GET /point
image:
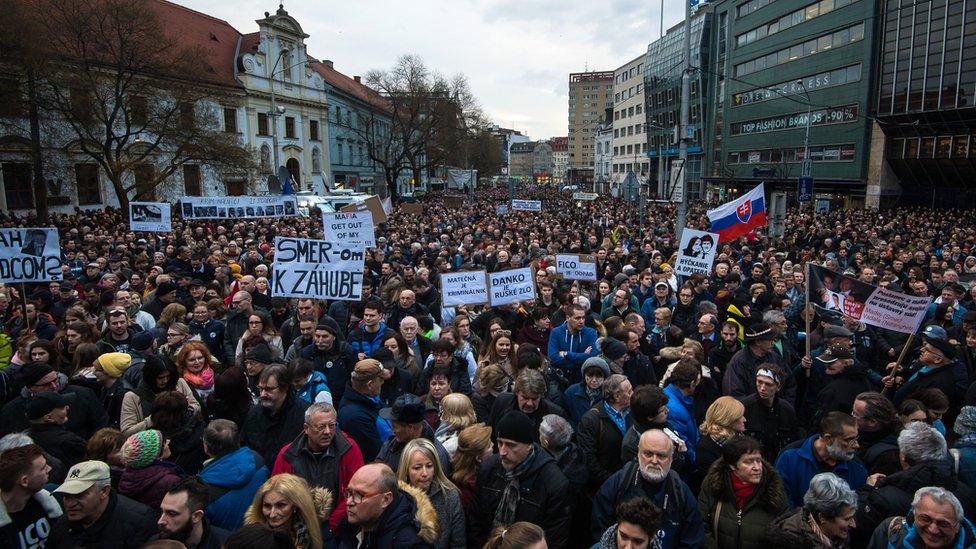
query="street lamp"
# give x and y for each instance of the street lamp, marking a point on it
(807, 166)
(275, 109)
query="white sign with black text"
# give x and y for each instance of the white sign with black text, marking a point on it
(349, 228)
(317, 269)
(696, 253)
(526, 205)
(464, 288)
(573, 267)
(511, 286)
(150, 217)
(30, 255)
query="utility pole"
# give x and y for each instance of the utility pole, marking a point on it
(683, 127)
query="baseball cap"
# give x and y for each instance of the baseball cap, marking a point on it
(83, 476)
(407, 408)
(42, 404)
(367, 369)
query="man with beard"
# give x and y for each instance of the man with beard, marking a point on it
(181, 516)
(650, 476)
(522, 482)
(278, 419)
(833, 450)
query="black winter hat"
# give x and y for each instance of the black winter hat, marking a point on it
(613, 349)
(34, 372)
(328, 324)
(517, 426)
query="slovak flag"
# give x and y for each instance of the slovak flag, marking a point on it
(734, 219)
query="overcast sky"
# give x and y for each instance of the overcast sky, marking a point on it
(517, 54)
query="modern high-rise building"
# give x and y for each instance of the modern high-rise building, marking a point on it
(590, 94)
(924, 146)
(629, 139)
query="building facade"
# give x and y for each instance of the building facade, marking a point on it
(662, 103)
(560, 158)
(602, 157)
(629, 122)
(506, 138)
(590, 93)
(542, 164)
(924, 145)
(779, 68)
(521, 157)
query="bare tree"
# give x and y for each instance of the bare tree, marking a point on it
(133, 99)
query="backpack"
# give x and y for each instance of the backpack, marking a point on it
(630, 476)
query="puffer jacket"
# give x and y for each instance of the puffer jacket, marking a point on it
(149, 484)
(745, 528)
(410, 522)
(232, 480)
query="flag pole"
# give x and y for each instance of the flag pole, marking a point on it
(897, 366)
(807, 309)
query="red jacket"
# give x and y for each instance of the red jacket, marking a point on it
(295, 459)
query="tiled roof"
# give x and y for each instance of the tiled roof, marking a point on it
(216, 37)
(348, 85)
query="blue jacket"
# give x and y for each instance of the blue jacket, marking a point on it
(212, 334)
(681, 520)
(575, 347)
(232, 481)
(797, 466)
(967, 460)
(364, 342)
(315, 385)
(576, 402)
(681, 418)
(357, 418)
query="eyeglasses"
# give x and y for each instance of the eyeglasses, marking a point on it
(173, 334)
(254, 323)
(267, 389)
(356, 498)
(925, 520)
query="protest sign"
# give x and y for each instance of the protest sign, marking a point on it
(237, 207)
(526, 205)
(453, 201)
(501, 209)
(576, 267)
(696, 254)
(865, 302)
(464, 288)
(152, 217)
(372, 204)
(317, 269)
(349, 228)
(511, 286)
(585, 196)
(29, 255)
(412, 208)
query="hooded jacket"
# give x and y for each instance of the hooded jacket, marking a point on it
(9, 534)
(364, 342)
(410, 522)
(892, 496)
(745, 528)
(232, 479)
(574, 345)
(331, 469)
(357, 416)
(149, 484)
(544, 499)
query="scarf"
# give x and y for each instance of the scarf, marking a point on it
(742, 490)
(505, 513)
(204, 380)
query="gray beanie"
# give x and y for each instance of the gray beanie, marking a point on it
(595, 362)
(966, 421)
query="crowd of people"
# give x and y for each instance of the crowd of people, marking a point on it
(161, 395)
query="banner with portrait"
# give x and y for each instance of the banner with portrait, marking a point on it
(846, 295)
(150, 217)
(30, 255)
(238, 207)
(696, 254)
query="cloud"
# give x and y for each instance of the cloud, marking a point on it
(517, 54)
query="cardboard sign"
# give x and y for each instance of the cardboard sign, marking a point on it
(526, 205)
(237, 207)
(412, 208)
(696, 254)
(576, 267)
(30, 255)
(372, 204)
(349, 228)
(151, 217)
(511, 286)
(464, 288)
(453, 201)
(317, 269)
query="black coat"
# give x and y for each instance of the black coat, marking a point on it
(506, 402)
(125, 523)
(85, 417)
(267, 433)
(544, 499)
(774, 427)
(398, 527)
(68, 447)
(600, 441)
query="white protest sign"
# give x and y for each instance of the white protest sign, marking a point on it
(464, 288)
(895, 311)
(150, 217)
(585, 196)
(576, 267)
(237, 207)
(317, 269)
(696, 253)
(526, 205)
(29, 255)
(511, 286)
(349, 228)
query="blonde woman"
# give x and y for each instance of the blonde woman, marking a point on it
(286, 502)
(457, 412)
(421, 469)
(474, 445)
(724, 419)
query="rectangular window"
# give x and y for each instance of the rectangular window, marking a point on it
(138, 111)
(187, 116)
(290, 127)
(191, 180)
(145, 176)
(81, 104)
(230, 120)
(313, 130)
(263, 124)
(17, 185)
(11, 100)
(86, 183)
(810, 47)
